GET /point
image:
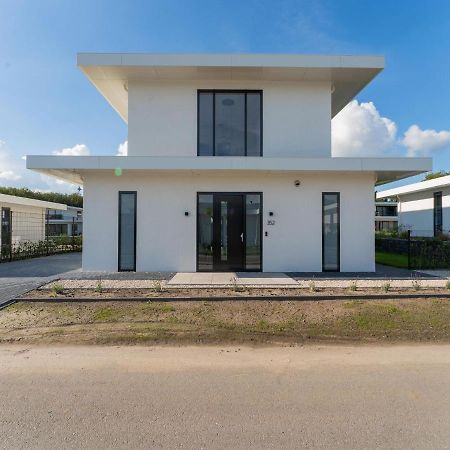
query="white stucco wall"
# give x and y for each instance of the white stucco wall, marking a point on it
(415, 211)
(162, 117)
(166, 238)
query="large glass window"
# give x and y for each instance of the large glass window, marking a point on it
(229, 123)
(205, 232)
(127, 231)
(437, 213)
(330, 231)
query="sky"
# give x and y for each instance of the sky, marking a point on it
(47, 106)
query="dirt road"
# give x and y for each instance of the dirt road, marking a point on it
(225, 397)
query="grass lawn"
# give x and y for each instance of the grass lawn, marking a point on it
(219, 322)
(391, 259)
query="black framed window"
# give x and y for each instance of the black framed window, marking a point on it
(437, 213)
(331, 231)
(229, 123)
(127, 231)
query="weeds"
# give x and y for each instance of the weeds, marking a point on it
(417, 285)
(353, 286)
(312, 286)
(105, 314)
(99, 287)
(386, 287)
(158, 286)
(238, 287)
(57, 289)
(447, 284)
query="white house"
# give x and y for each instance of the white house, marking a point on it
(229, 165)
(24, 219)
(424, 207)
(65, 223)
(386, 215)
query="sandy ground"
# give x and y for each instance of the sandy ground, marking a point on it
(209, 322)
(234, 397)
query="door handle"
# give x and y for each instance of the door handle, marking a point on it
(242, 237)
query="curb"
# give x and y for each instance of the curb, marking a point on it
(231, 297)
(8, 302)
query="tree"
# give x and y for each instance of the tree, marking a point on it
(67, 199)
(433, 175)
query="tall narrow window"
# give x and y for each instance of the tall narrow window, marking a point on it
(229, 123)
(127, 231)
(437, 213)
(205, 232)
(330, 232)
(253, 207)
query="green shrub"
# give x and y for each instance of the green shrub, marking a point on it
(57, 288)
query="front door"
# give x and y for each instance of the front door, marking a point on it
(228, 232)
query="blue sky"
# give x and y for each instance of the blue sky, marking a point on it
(46, 104)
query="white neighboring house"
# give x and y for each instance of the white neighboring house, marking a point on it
(386, 215)
(65, 223)
(24, 219)
(229, 165)
(424, 207)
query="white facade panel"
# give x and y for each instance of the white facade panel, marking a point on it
(163, 117)
(415, 211)
(166, 238)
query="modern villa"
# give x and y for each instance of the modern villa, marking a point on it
(229, 165)
(423, 207)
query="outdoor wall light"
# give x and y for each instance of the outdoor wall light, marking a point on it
(297, 183)
(186, 213)
(270, 213)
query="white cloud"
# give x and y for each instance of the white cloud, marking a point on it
(76, 150)
(9, 166)
(122, 149)
(9, 175)
(360, 130)
(424, 142)
(13, 172)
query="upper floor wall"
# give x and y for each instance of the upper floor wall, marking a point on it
(163, 116)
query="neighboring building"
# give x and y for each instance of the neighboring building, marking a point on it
(229, 165)
(424, 207)
(386, 217)
(65, 223)
(24, 219)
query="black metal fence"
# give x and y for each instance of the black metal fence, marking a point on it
(420, 247)
(26, 235)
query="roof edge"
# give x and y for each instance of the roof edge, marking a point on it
(416, 187)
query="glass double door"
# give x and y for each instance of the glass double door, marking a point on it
(229, 232)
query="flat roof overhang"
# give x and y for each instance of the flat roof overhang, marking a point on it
(72, 168)
(111, 72)
(422, 186)
(25, 201)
